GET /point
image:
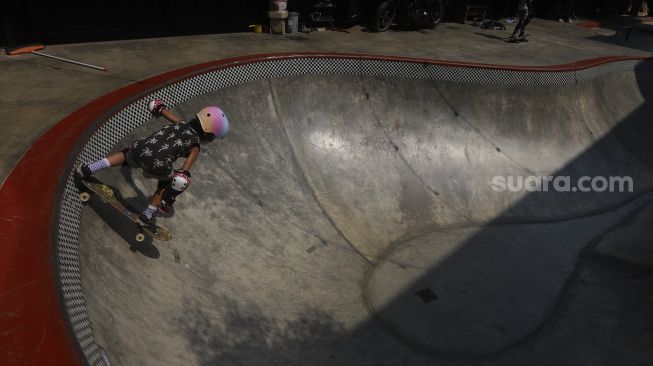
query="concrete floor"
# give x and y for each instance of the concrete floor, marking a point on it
(36, 92)
(302, 293)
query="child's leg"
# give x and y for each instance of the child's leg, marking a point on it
(151, 211)
(519, 28)
(117, 158)
(158, 196)
(110, 161)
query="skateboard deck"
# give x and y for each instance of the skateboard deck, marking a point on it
(518, 39)
(108, 195)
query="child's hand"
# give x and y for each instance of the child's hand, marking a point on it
(156, 106)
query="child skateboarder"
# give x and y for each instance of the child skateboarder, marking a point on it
(524, 12)
(156, 153)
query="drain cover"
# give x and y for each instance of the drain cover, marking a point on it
(427, 295)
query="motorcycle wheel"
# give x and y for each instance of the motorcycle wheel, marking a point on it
(421, 14)
(437, 13)
(383, 17)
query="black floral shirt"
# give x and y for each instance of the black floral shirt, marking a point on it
(157, 152)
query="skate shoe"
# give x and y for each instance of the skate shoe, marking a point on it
(146, 223)
(83, 171)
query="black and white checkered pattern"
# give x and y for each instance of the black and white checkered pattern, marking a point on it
(614, 67)
(132, 115)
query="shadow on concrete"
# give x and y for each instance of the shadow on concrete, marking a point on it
(634, 36)
(124, 226)
(494, 36)
(494, 291)
(141, 200)
(245, 336)
(141, 197)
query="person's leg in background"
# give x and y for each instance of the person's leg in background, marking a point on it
(527, 19)
(520, 28)
(569, 11)
(563, 9)
(572, 10)
(637, 7)
(642, 11)
(633, 7)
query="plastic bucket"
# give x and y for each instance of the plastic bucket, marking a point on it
(256, 28)
(293, 22)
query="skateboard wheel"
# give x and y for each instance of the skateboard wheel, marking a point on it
(140, 237)
(84, 196)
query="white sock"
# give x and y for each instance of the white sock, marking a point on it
(99, 165)
(150, 211)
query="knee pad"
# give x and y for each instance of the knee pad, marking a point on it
(174, 186)
(179, 183)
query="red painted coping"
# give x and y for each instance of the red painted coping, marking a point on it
(33, 329)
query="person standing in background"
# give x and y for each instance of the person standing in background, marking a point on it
(645, 9)
(565, 11)
(524, 12)
(639, 8)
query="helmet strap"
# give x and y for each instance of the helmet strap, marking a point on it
(197, 126)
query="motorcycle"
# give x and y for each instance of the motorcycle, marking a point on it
(408, 14)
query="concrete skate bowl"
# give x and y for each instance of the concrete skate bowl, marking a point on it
(350, 217)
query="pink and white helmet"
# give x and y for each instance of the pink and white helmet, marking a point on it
(213, 120)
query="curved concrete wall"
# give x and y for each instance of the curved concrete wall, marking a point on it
(41, 304)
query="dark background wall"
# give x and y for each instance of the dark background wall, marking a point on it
(548, 9)
(61, 22)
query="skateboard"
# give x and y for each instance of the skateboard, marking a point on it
(518, 39)
(108, 195)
